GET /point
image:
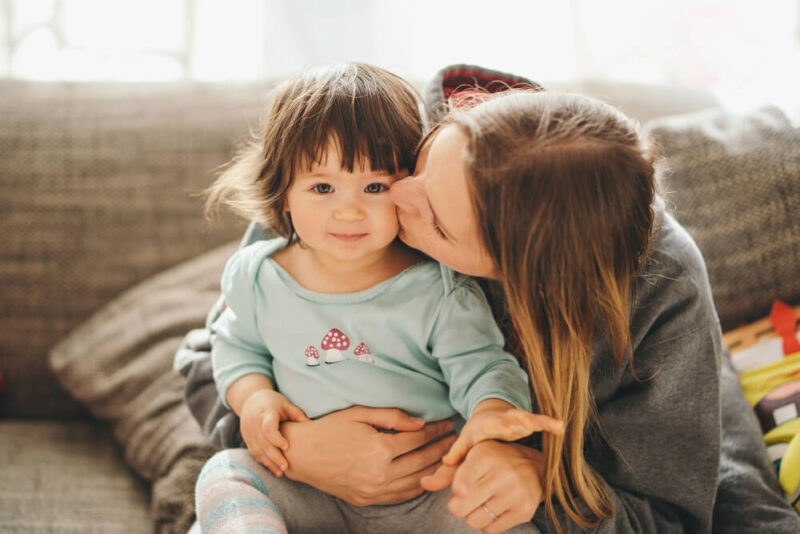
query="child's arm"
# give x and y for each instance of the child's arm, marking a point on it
(497, 419)
(487, 385)
(261, 409)
(242, 364)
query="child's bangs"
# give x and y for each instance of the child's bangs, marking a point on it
(363, 131)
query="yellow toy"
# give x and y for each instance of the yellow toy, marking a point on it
(770, 377)
(789, 475)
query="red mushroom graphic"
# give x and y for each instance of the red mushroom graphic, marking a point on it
(363, 353)
(334, 342)
(312, 356)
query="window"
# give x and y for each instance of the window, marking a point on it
(744, 51)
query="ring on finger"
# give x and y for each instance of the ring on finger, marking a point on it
(488, 512)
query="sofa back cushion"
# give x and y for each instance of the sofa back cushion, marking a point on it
(733, 181)
(96, 194)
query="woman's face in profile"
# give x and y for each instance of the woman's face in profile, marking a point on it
(435, 209)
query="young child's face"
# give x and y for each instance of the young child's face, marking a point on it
(345, 215)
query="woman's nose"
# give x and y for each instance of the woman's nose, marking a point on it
(407, 193)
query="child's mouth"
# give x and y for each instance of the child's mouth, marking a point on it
(348, 237)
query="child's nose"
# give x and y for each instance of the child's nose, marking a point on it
(349, 213)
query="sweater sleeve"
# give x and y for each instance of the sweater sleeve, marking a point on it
(469, 348)
(237, 347)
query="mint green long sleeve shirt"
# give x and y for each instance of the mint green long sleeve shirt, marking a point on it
(423, 341)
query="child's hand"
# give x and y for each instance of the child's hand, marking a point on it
(261, 416)
(497, 419)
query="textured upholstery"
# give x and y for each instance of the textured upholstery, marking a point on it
(96, 184)
(733, 181)
(119, 364)
(67, 478)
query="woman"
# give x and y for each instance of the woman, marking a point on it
(562, 193)
(552, 196)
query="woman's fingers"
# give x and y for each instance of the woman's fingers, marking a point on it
(405, 442)
(472, 486)
(459, 449)
(405, 488)
(442, 478)
(503, 523)
(386, 418)
(486, 514)
(420, 455)
(421, 462)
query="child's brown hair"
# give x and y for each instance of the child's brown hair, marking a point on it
(372, 115)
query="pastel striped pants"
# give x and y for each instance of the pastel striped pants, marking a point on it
(234, 494)
(231, 496)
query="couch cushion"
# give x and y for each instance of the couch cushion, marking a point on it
(118, 363)
(67, 477)
(733, 180)
(97, 182)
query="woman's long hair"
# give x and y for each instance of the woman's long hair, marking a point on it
(563, 189)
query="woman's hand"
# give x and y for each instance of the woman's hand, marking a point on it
(506, 478)
(344, 454)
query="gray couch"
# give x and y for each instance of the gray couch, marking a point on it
(106, 263)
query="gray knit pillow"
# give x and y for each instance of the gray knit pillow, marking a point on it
(733, 181)
(96, 184)
(118, 363)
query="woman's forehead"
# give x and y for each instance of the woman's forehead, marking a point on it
(446, 182)
(444, 159)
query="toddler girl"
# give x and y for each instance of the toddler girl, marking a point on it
(336, 311)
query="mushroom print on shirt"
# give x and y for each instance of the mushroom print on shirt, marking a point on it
(334, 342)
(363, 353)
(312, 356)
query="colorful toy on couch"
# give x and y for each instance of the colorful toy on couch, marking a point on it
(766, 355)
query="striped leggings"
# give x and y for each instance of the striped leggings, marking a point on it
(231, 496)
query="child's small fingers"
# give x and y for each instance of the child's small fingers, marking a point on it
(272, 466)
(274, 436)
(259, 452)
(276, 457)
(296, 414)
(543, 423)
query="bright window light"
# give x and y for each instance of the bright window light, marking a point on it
(745, 52)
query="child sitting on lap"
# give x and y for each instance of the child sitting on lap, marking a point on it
(338, 312)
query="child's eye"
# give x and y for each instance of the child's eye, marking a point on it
(376, 188)
(322, 188)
